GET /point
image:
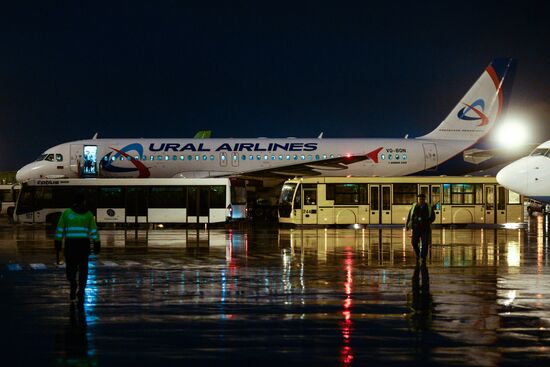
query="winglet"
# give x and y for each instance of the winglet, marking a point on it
(203, 134)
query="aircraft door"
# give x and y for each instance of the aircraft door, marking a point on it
(489, 204)
(89, 162)
(374, 213)
(309, 211)
(223, 159)
(235, 159)
(386, 204)
(76, 159)
(430, 156)
(501, 205)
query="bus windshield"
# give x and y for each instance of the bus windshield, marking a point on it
(287, 193)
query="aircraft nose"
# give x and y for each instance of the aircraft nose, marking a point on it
(514, 176)
(27, 172)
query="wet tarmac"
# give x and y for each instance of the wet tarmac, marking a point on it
(269, 297)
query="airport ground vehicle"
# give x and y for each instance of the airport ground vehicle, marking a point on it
(130, 200)
(8, 194)
(387, 200)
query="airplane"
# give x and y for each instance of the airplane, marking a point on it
(530, 175)
(467, 123)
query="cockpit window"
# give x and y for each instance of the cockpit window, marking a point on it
(49, 158)
(41, 157)
(539, 151)
(59, 157)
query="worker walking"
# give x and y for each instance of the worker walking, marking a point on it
(420, 218)
(77, 225)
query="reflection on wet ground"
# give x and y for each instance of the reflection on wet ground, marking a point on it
(273, 296)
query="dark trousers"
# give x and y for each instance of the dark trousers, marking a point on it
(424, 236)
(77, 252)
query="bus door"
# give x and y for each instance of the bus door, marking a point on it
(235, 159)
(136, 205)
(380, 204)
(309, 211)
(297, 206)
(435, 202)
(198, 209)
(501, 205)
(374, 213)
(489, 204)
(386, 204)
(430, 156)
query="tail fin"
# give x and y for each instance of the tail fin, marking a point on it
(478, 111)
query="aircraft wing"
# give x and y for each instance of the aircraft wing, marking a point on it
(310, 168)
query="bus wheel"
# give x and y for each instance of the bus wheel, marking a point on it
(52, 219)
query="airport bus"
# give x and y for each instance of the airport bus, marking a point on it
(8, 193)
(387, 200)
(127, 200)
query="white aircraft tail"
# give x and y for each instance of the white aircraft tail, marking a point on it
(477, 112)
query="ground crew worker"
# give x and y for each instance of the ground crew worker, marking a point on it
(419, 220)
(78, 226)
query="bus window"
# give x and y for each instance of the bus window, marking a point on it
(346, 194)
(404, 193)
(310, 194)
(168, 197)
(513, 197)
(374, 198)
(446, 193)
(111, 197)
(217, 196)
(501, 198)
(489, 197)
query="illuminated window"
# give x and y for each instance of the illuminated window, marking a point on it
(324, 156)
(159, 158)
(152, 157)
(143, 157)
(287, 157)
(166, 157)
(259, 157)
(251, 157)
(235, 157)
(266, 157)
(175, 157)
(197, 158)
(295, 157)
(113, 158)
(211, 157)
(190, 157)
(243, 157)
(136, 157)
(182, 157)
(317, 157)
(204, 157)
(397, 156)
(280, 157)
(303, 157)
(332, 155)
(404, 156)
(389, 156)
(382, 156)
(272, 157)
(59, 157)
(309, 157)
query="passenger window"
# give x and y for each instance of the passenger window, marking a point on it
(59, 157)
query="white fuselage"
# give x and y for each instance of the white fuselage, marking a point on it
(529, 176)
(228, 157)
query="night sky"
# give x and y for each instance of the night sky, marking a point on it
(250, 69)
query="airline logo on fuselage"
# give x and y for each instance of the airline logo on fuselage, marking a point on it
(474, 112)
(107, 163)
(233, 147)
